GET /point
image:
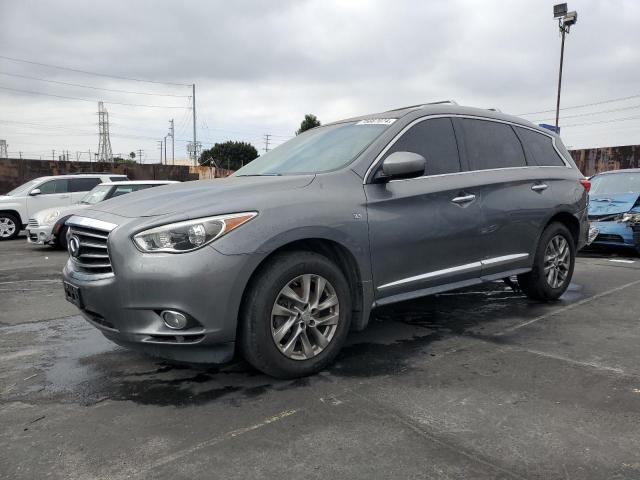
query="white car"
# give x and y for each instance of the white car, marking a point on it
(17, 206)
(47, 227)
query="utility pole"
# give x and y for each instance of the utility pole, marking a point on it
(171, 132)
(140, 155)
(267, 139)
(165, 150)
(20, 153)
(565, 20)
(53, 155)
(195, 142)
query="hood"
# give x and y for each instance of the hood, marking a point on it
(188, 196)
(612, 203)
(64, 211)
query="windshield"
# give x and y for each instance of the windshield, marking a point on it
(615, 183)
(96, 195)
(23, 189)
(319, 150)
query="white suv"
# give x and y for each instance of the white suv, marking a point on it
(17, 206)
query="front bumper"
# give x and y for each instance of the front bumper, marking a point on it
(613, 234)
(42, 235)
(125, 305)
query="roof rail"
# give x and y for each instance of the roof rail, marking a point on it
(495, 110)
(420, 105)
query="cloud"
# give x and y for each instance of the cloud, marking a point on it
(260, 66)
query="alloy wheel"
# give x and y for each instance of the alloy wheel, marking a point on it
(7, 227)
(557, 261)
(305, 316)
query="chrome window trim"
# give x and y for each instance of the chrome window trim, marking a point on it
(458, 268)
(376, 162)
(91, 223)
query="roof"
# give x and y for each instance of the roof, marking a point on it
(141, 182)
(81, 175)
(447, 107)
(622, 170)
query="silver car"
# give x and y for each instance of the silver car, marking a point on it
(280, 261)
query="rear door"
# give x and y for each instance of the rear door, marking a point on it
(424, 232)
(514, 201)
(78, 187)
(53, 193)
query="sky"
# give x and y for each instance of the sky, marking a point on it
(260, 66)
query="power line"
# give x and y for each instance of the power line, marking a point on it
(88, 99)
(587, 114)
(622, 119)
(91, 73)
(602, 102)
(93, 88)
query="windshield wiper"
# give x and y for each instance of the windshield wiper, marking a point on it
(260, 175)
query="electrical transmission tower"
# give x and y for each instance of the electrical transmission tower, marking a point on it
(267, 140)
(104, 142)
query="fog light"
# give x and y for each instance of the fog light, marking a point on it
(172, 319)
(42, 235)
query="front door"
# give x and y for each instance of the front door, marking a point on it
(425, 232)
(53, 193)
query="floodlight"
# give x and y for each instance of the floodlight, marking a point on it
(571, 18)
(559, 10)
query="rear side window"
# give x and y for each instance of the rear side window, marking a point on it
(491, 145)
(59, 185)
(83, 184)
(119, 179)
(539, 148)
(435, 140)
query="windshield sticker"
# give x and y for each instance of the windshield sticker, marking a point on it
(377, 121)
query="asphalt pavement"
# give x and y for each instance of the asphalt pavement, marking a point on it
(481, 383)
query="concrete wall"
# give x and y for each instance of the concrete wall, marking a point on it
(595, 160)
(15, 172)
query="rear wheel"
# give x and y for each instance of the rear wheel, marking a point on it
(296, 315)
(9, 226)
(552, 266)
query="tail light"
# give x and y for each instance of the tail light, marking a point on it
(586, 184)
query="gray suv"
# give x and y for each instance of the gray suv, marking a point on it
(284, 258)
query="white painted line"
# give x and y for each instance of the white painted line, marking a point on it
(568, 307)
(621, 261)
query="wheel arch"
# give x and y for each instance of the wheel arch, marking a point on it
(343, 258)
(568, 220)
(15, 213)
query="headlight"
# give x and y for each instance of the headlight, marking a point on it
(50, 217)
(631, 218)
(189, 235)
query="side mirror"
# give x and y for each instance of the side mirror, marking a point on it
(35, 191)
(402, 165)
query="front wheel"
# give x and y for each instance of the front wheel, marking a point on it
(296, 315)
(9, 226)
(552, 266)
(61, 239)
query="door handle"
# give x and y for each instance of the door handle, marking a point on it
(464, 199)
(539, 187)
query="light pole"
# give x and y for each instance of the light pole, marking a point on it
(565, 20)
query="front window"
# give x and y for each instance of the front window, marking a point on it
(615, 183)
(23, 189)
(96, 195)
(319, 150)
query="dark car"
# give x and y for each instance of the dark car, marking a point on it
(282, 259)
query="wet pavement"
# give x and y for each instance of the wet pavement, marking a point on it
(478, 383)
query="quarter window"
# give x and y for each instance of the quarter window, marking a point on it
(435, 140)
(83, 184)
(539, 148)
(491, 145)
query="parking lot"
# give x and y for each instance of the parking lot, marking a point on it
(479, 383)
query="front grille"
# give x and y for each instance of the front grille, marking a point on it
(608, 237)
(33, 223)
(93, 255)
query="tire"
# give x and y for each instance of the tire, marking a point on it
(543, 284)
(9, 226)
(61, 239)
(260, 325)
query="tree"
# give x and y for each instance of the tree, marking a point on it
(230, 155)
(310, 121)
(132, 155)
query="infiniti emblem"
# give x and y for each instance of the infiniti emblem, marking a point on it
(74, 246)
